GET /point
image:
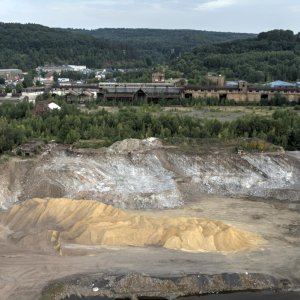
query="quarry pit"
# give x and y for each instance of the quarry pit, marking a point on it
(146, 212)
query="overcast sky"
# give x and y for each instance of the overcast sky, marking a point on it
(218, 15)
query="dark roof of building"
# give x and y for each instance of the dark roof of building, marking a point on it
(146, 90)
(119, 95)
(210, 88)
(10, 71)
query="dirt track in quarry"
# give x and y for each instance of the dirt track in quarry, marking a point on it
(257, 193)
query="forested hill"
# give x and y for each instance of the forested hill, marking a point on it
(161, 45)
(28, 46)
(270, 56)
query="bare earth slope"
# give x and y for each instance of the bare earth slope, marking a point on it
(145, 174)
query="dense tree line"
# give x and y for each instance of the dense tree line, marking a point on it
(18, 124)
(161, 45)
(270, 56)
(278, 100)
(28, 46)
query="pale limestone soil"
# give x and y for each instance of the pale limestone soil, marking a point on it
(138, 174)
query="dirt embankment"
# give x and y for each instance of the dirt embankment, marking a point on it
(136, 286)
(141, 174)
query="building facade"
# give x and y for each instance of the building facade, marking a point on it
(11, 74)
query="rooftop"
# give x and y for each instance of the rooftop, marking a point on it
(281, 83)
(11, 70)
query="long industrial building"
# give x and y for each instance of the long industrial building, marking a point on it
(243, 92)
(155, 93)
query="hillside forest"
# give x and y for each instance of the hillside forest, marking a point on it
(273, 55)
(26, 46)
(191, 54)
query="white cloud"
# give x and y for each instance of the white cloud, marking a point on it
(214, 4)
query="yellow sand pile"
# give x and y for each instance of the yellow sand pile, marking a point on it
(93, 223)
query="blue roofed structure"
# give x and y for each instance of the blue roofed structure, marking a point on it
(279, 83)
(232, 83)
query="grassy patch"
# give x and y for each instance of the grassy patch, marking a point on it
(4, 158)
(92, 144)
(202, 146)
(52, 291)
(257, 145)
(215, 145)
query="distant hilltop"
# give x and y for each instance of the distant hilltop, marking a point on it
(35, 45)
(268, 57)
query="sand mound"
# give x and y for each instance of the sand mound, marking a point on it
(65, 221)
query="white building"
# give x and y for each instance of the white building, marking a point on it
(11, 74)
(60, 69)
(63, 80)
(77, 68)
(53, 106)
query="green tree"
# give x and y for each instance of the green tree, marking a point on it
(28, 81)
(72, 136)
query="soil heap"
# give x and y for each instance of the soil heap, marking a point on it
(87, 222)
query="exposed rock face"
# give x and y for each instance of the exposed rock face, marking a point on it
(87, 222)
(141, 174)
(260, 175)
